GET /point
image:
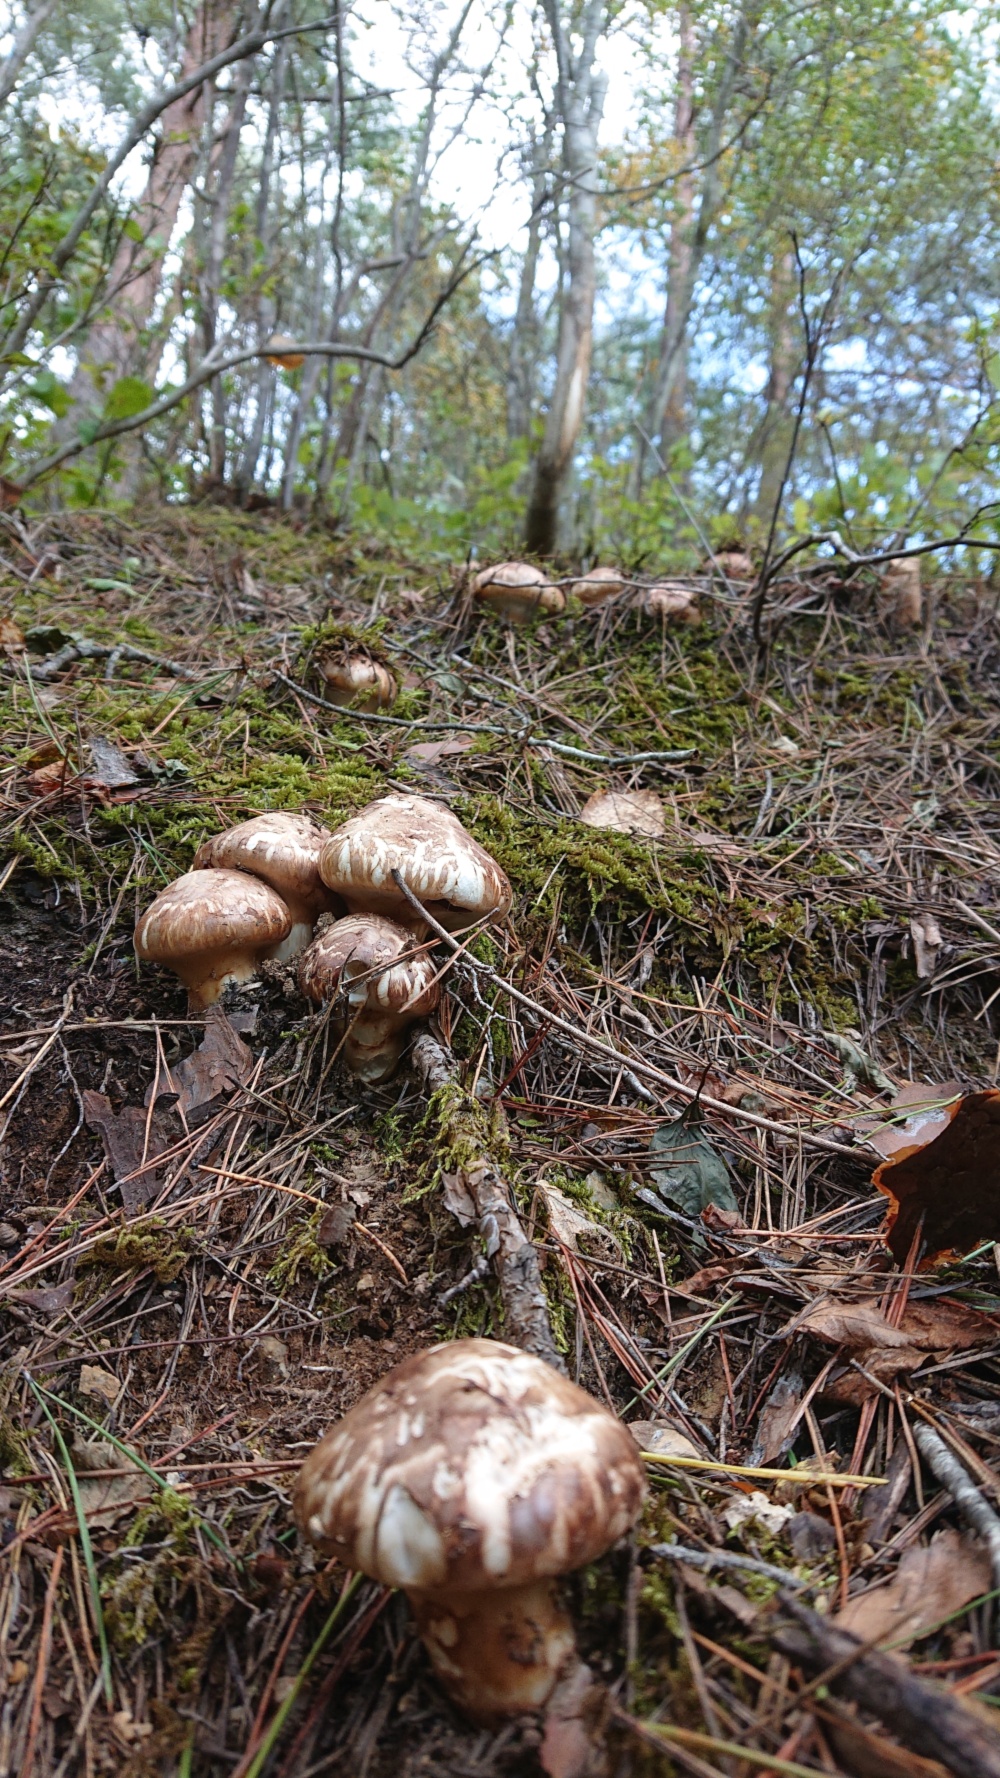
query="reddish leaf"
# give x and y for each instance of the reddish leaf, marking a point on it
(951, 1183)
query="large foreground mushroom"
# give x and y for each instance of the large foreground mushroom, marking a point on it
(386, 988)
(472, 1476)
(282, 849)
(517, 590)
(442, 865)
(212, 927)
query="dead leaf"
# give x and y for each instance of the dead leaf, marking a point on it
(948, 1187)
(651, 1435)
(927, 942)
(756, 1509)
(11, 636)
(52, 1299)
(133, 1142)
(867, 1755)
(432, 751)
(689, 1171)
(99, 1384)
(858, 1325)
(336, 1225)
(458, 1198)
(850, 1389)
(927, 1115)
(106, 1498)
(221, 1063)
(928, 1585)
(939, 1324)
(625, 811)
(568, 1222)
(779, 1419)
(109, 766)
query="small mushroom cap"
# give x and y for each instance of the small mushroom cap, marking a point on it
(518, 589)
(356, 679)
(444, 867)
(597, 585)
(202, 925)
(671, 600)
(279, 353)
(471, 1465)
(354, 948)
(282, 849)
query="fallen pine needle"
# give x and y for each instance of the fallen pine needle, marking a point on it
(698, 1742)
(807, 1479)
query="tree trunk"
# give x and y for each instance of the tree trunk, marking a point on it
(692, 241)
(21, 48)
(673, 424)
(523, 356)
(115, 346)
(776, 430)
(580, 93)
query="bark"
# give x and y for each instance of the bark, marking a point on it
(24, 42)
(777, 424)
(116, 345)
(673, 424)
(264, 392)
(580, 93)
(692, 243)
(220, 205)
(524, 341)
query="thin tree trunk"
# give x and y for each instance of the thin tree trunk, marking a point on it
(221, 204)
(776, 429)
(24, 42)
(523, 356)
(674, 422)
(580, 92)
(684, 278)
(264, 390)
(116, 346)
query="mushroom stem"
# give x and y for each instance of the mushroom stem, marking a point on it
(497, 1653)
(296, 942)
(206, 979)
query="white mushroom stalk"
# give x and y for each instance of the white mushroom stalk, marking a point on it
(371, 962)
(282, 849)
(212, 928)
(473, 1476)
(518, 591)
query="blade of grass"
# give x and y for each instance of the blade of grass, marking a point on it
(287, 1705)
(86, 1547)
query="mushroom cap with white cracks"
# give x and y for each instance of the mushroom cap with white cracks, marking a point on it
(365, 958)
(471, 1466)
(442, 865)
(517, 590)
(212, 927)
(598, 584)
(672, 601)
(282, 849)
(358, 682)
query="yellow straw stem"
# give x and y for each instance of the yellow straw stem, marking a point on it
(806, 1478)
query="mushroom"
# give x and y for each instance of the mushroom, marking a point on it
(365, 958)
(598, 584)
(517, 590)
(282, 849)
(733, 563)
(471, 1476)
(278, 352)
(441, 864)
(212, 927)
(671, 600)
(902, 600)
(355, 681)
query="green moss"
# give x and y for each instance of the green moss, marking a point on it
(148, 1243)
(300, 1252)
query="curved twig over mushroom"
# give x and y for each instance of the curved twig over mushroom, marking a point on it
(370, 960)
(517, 590)
(471, 1476)
(355, 680)
(598, 584)
(282, 849)
(444, 867)
(212, 927)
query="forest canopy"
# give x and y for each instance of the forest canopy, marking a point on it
(589, 274)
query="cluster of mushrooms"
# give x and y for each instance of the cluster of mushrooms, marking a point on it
(519, 590)
(259, 891)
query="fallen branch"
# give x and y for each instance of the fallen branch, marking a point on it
(962, 1489)
(491, 1203)
(925, 1719)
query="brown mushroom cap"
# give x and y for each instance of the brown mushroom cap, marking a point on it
(470, 1466)
(598, 584)
(282, 849)
(357, 681)
(443, 866)
(212, 927)
(365, 958)
(279, 353)
(671, 600)
(517, 590)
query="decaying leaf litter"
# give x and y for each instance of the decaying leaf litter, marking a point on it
(679, 1054)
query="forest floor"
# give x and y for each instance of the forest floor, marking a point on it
(185, 1309)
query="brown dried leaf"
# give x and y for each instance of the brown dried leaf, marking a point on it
(100, 1384)
(948, 1186)
(133, 1141)
(625, 811)
(336, 1225)
(651, 1435)
(927, 1116)
(858, 1325)
(11, 636)
(52, 1299)
(106, 1498)
(928, 1585)
(568, 1222)
(221, 1063)
(432, 751)
(458, 1198)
